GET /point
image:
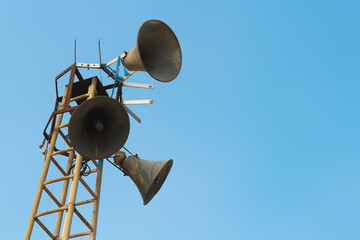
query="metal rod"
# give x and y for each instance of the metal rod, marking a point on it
(91, 171)
(64, 125)
(138, 85)
(70, 85)
(94, 162)
(58, 165)
(75, 51)
(51, 211)
(79, 234)
(97, 199)
(84, 202)
(62, 151)
(44, 228)
(58, 179)
(74, 185)
(63, 195)
(81, 217)
(129, 84)
(79, 97)
(65, 138)
(52, 196)
(88, 188)
(132, 114)
(77, 73)
(127, 76)
(72, 197)
(99, 51)
(88, 65)
(114, 60)
(135, 102)
(92, 88)
(44, 171)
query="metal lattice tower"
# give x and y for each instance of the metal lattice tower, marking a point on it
(70, 180)
(157, 52)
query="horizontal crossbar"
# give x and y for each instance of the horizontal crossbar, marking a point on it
(51, 211)
(58, 179)
(79, 234)
(62, 151)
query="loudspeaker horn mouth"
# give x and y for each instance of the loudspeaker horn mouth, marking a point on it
(158, 182)
(149, 176)
(157, 51)
(99, 127)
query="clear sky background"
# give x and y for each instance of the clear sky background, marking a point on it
(262, 122)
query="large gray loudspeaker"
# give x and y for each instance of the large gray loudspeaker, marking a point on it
(157, 51)
(99, 127)
(148, 176)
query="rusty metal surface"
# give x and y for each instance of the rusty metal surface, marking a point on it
(78, 75)
(59, 76)
(71, 81)
(67, 108)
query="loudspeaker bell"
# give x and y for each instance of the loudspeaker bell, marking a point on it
(157, 51)
(148, 176)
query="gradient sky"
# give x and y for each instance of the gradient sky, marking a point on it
(262, 122)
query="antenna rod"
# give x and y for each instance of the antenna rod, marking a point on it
(75, 51)
(99, 52)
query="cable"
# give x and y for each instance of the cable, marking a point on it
(84, 167)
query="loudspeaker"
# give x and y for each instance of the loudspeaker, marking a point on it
(157, 51)
(148, 176)
(99, 127)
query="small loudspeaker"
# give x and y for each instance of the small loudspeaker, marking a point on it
(157, 51)
(99, 127)
(148, 176)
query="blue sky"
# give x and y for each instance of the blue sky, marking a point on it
(262, 122)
